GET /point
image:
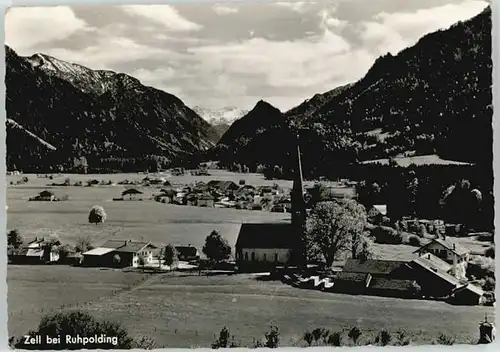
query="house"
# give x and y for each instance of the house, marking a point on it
(264, 245)
(34, 252)
(467, 294)
(223, 186)
(450, 252)
(206, 200)
(45, 196)
(132, 194)
(389, 269)
(122, 253)
(131, 253)
(187, 253)
(433, 280)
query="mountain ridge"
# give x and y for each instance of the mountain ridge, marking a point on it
(78, 110)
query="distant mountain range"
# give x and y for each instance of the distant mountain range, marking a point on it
(221, 119)
(109, 118)
(432, 98)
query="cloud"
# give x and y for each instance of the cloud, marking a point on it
(224, 9)
(392, 32)
(329, 22)
(297, 6)
(109, 52)
(26, 27)
(165, 15)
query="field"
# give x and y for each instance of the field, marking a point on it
(418, 161)
(186, 311)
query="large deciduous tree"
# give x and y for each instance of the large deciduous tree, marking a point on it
(14, 239)
(335, 227)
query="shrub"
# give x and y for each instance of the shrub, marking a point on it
(481, 267)
(272, 338)
(383, 338)
(489, 284)
(335, 339)
(444, 339)
(224, 340)
(386, 235)
(354, 334)
(144, 343)
(14, 239)
(83, 244)
(414, 241)
(402, 338)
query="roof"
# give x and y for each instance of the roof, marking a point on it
(34, 252)
(115, 244)
(372, 266)
(99, 251)
(381, 208)
(187, 250)
(223, 185)
(448, 244)
(389, 284)
(207, 197)
(134, 247)
(435, 271)
(345, 276)
(437, 262)
(265, 235)
(46, 193)
(131, 191)
(469, 287)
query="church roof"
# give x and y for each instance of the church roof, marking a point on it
(265, 235)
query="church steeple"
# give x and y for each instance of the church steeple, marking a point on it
(298, 209)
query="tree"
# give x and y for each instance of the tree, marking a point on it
(333, 227)
(216, 247)
(14, 239)
(117, 259)
(97, 215)
(169, 255)
(83, 244)
(225, 340)
(74, 324)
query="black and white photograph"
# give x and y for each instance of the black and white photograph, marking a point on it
(251, 174)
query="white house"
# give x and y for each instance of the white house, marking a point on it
(450, 252)
(264, 244)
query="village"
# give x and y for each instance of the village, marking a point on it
(442, 269)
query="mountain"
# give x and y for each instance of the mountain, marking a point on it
(220, 119)
(431, 98)
(225, 116)
(109, 118)
(248, 139)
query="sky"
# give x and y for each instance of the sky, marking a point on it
(216, 55)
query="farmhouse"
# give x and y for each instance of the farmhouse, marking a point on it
(450, 252)
(132, 194)
(467, 294)
(44, 196)
(122, 253)
(34, 252)
(187, 253)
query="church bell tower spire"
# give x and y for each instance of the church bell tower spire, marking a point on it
(298, 208)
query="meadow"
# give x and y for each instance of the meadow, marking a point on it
(187, 311)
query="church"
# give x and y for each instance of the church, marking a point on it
(270, 245)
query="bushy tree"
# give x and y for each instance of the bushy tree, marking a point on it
(83, 244)
(169, 255)
(76, 324)
(117, 259)
(216, 247)
(224, 340)
(14, 239)
(97, 215)
(333, 227)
